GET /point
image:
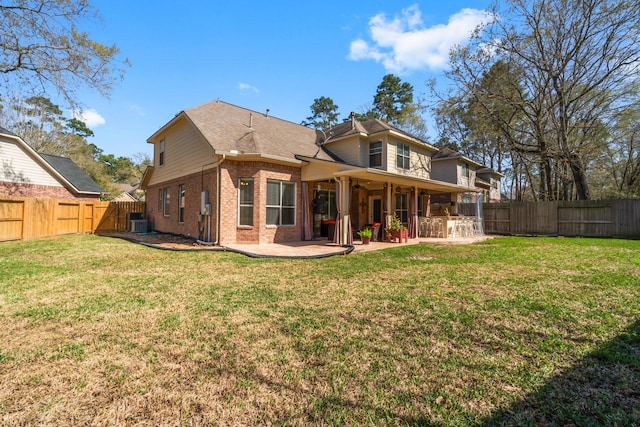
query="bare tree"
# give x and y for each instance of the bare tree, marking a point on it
(43, 50)
(575, 61)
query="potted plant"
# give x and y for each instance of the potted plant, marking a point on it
(397, 230)
(365, 235)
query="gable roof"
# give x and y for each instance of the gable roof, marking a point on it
(72, 173)
(64, 171)
(232, 129)
(368, 127)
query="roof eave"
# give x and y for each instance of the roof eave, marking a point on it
(237, 155)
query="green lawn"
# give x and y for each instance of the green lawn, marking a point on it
(511, 331)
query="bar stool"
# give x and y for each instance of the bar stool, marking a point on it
(425, 226)
(436, 227)
(477, 227)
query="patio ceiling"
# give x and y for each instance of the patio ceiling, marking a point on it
(319, 170)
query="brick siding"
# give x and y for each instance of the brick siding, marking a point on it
(230, 232)
(40, 191)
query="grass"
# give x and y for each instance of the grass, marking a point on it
(511, 331)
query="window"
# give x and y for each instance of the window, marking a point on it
(402, 207)
(375, 154)
(165, 198)
(421, 199)
(465, 170)
(494, 183)
(161, 155)
(245, 202)
(402, 155)
(160, 199)
(181, 202)
(281, 203)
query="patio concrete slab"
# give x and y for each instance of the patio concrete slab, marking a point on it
(308, 249)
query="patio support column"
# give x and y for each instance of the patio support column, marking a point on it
(343, 214)
(390, 207)
(345, 190)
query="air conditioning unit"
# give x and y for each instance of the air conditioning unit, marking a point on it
(138, 226)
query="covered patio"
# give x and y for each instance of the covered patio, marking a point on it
(343, 198)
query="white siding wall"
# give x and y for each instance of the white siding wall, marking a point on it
(350, 151)
(17, 166)
(420, 160)
(185, 152)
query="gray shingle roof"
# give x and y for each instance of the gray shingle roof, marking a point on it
(6, 131)
(367, 127)
(72, 173)
(228, 127)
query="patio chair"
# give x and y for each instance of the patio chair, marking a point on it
(376, 232)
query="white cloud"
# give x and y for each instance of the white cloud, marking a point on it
(245, 86)
(404, 43)
(138, 110)
(91, 118)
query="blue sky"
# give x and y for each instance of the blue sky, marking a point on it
(259, 55)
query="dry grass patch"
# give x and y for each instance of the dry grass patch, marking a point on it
(102, 331)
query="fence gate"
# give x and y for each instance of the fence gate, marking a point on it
(117, 215)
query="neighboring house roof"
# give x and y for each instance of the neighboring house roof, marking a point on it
(72, 173)
(124, 197)
(232, 129)
(63, 171)
(367, 127)
(489, 171)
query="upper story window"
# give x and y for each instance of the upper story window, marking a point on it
(161, 153)
(281, 203)
(375, 154)
(465, 170)
(403, 155)
(494, 183)
(245, 202)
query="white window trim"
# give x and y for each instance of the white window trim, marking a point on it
(375, 153)
(403, 156)
(181, 202)
(295, 203)
(240, 205)
(166, 201)
(161, 152)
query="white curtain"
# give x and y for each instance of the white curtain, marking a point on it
(307, 233)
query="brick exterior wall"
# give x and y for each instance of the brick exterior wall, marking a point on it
(194, 185)
(230, 232)
(39, 191)
(260, 232)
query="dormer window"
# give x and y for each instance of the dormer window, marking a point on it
(161, 153)
(375, 154)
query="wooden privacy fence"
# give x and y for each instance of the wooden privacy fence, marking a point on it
(31, 218)
(585, 218)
